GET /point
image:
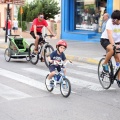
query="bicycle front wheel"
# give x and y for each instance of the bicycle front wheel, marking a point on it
(65, 87)
(47, 51)
(104, 78)
(32, 56)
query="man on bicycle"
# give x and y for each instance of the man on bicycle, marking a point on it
(111, 38)
(36, 29)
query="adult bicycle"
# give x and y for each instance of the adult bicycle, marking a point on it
(107, 79)
(60, 79)
(44, 50)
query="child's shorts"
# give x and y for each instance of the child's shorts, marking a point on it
(53, 67)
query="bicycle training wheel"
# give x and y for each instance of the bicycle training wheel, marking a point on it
(49, 87)
(7, 55)
(65, 87)
(47, 51)
(32, 56)
(104, 78)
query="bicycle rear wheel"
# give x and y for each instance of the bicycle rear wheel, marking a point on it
(65, 87)
(32, 56)
(104, 78)
(47, 51)
(7, 55)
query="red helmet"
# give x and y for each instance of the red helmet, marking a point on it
(61, 43)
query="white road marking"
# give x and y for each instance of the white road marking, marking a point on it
(87, 74)
(10, 93)
(75, 81)
(25, 80)
(90, 67)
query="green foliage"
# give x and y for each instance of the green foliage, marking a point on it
(24, 26)
(30, 11)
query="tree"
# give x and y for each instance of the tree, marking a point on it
(48, 7)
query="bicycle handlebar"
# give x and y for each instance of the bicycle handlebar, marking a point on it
(9, 36)
(61, 63)
(48, 35)
(13, 35)
(114, 48)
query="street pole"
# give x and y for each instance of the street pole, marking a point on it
(21, 12)
(21, 24)
(8, 15)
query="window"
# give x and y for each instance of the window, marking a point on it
(88, 14)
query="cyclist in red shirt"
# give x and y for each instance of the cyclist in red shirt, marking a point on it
(36, 29)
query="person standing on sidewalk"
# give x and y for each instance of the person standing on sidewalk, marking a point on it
(105, 19)
(110, 38)
(15, 26)
(36, 29)
(9, 26)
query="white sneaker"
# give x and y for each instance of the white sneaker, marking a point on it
(47, 82)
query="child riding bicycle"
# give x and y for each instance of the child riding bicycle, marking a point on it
(56, 57)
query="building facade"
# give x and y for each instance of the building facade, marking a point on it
(82, 19)
(13, 10)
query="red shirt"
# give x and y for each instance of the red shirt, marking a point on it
(39, 25)
(9, 24)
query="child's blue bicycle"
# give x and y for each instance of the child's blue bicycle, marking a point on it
(60, 79)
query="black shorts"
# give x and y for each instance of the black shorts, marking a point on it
(38, 33)
(53, 67)
(104, 42)
(15, 28)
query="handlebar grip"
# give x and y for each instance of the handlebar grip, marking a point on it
(48, 35)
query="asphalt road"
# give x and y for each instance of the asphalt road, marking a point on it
(23, 95)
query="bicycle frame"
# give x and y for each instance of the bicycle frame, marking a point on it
(116, 73)
(44, 43)
(113, 75)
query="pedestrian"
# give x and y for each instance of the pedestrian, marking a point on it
(105, 19)
(9, 26)
(36, 29)
(15, 26)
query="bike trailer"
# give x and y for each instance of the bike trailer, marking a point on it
(18, 46)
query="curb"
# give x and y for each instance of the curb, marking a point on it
(71, 57)
(3, 46)
(82, 59)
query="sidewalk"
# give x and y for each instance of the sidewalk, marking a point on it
(87, 52)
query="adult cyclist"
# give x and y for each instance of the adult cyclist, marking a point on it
(36, 29)
(110, 38)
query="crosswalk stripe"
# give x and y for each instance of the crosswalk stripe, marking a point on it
(88, 67)
(10, 93)
(87, 74)
(25, 80)
(75, 81)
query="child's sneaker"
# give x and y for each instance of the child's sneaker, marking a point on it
(47, 82)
